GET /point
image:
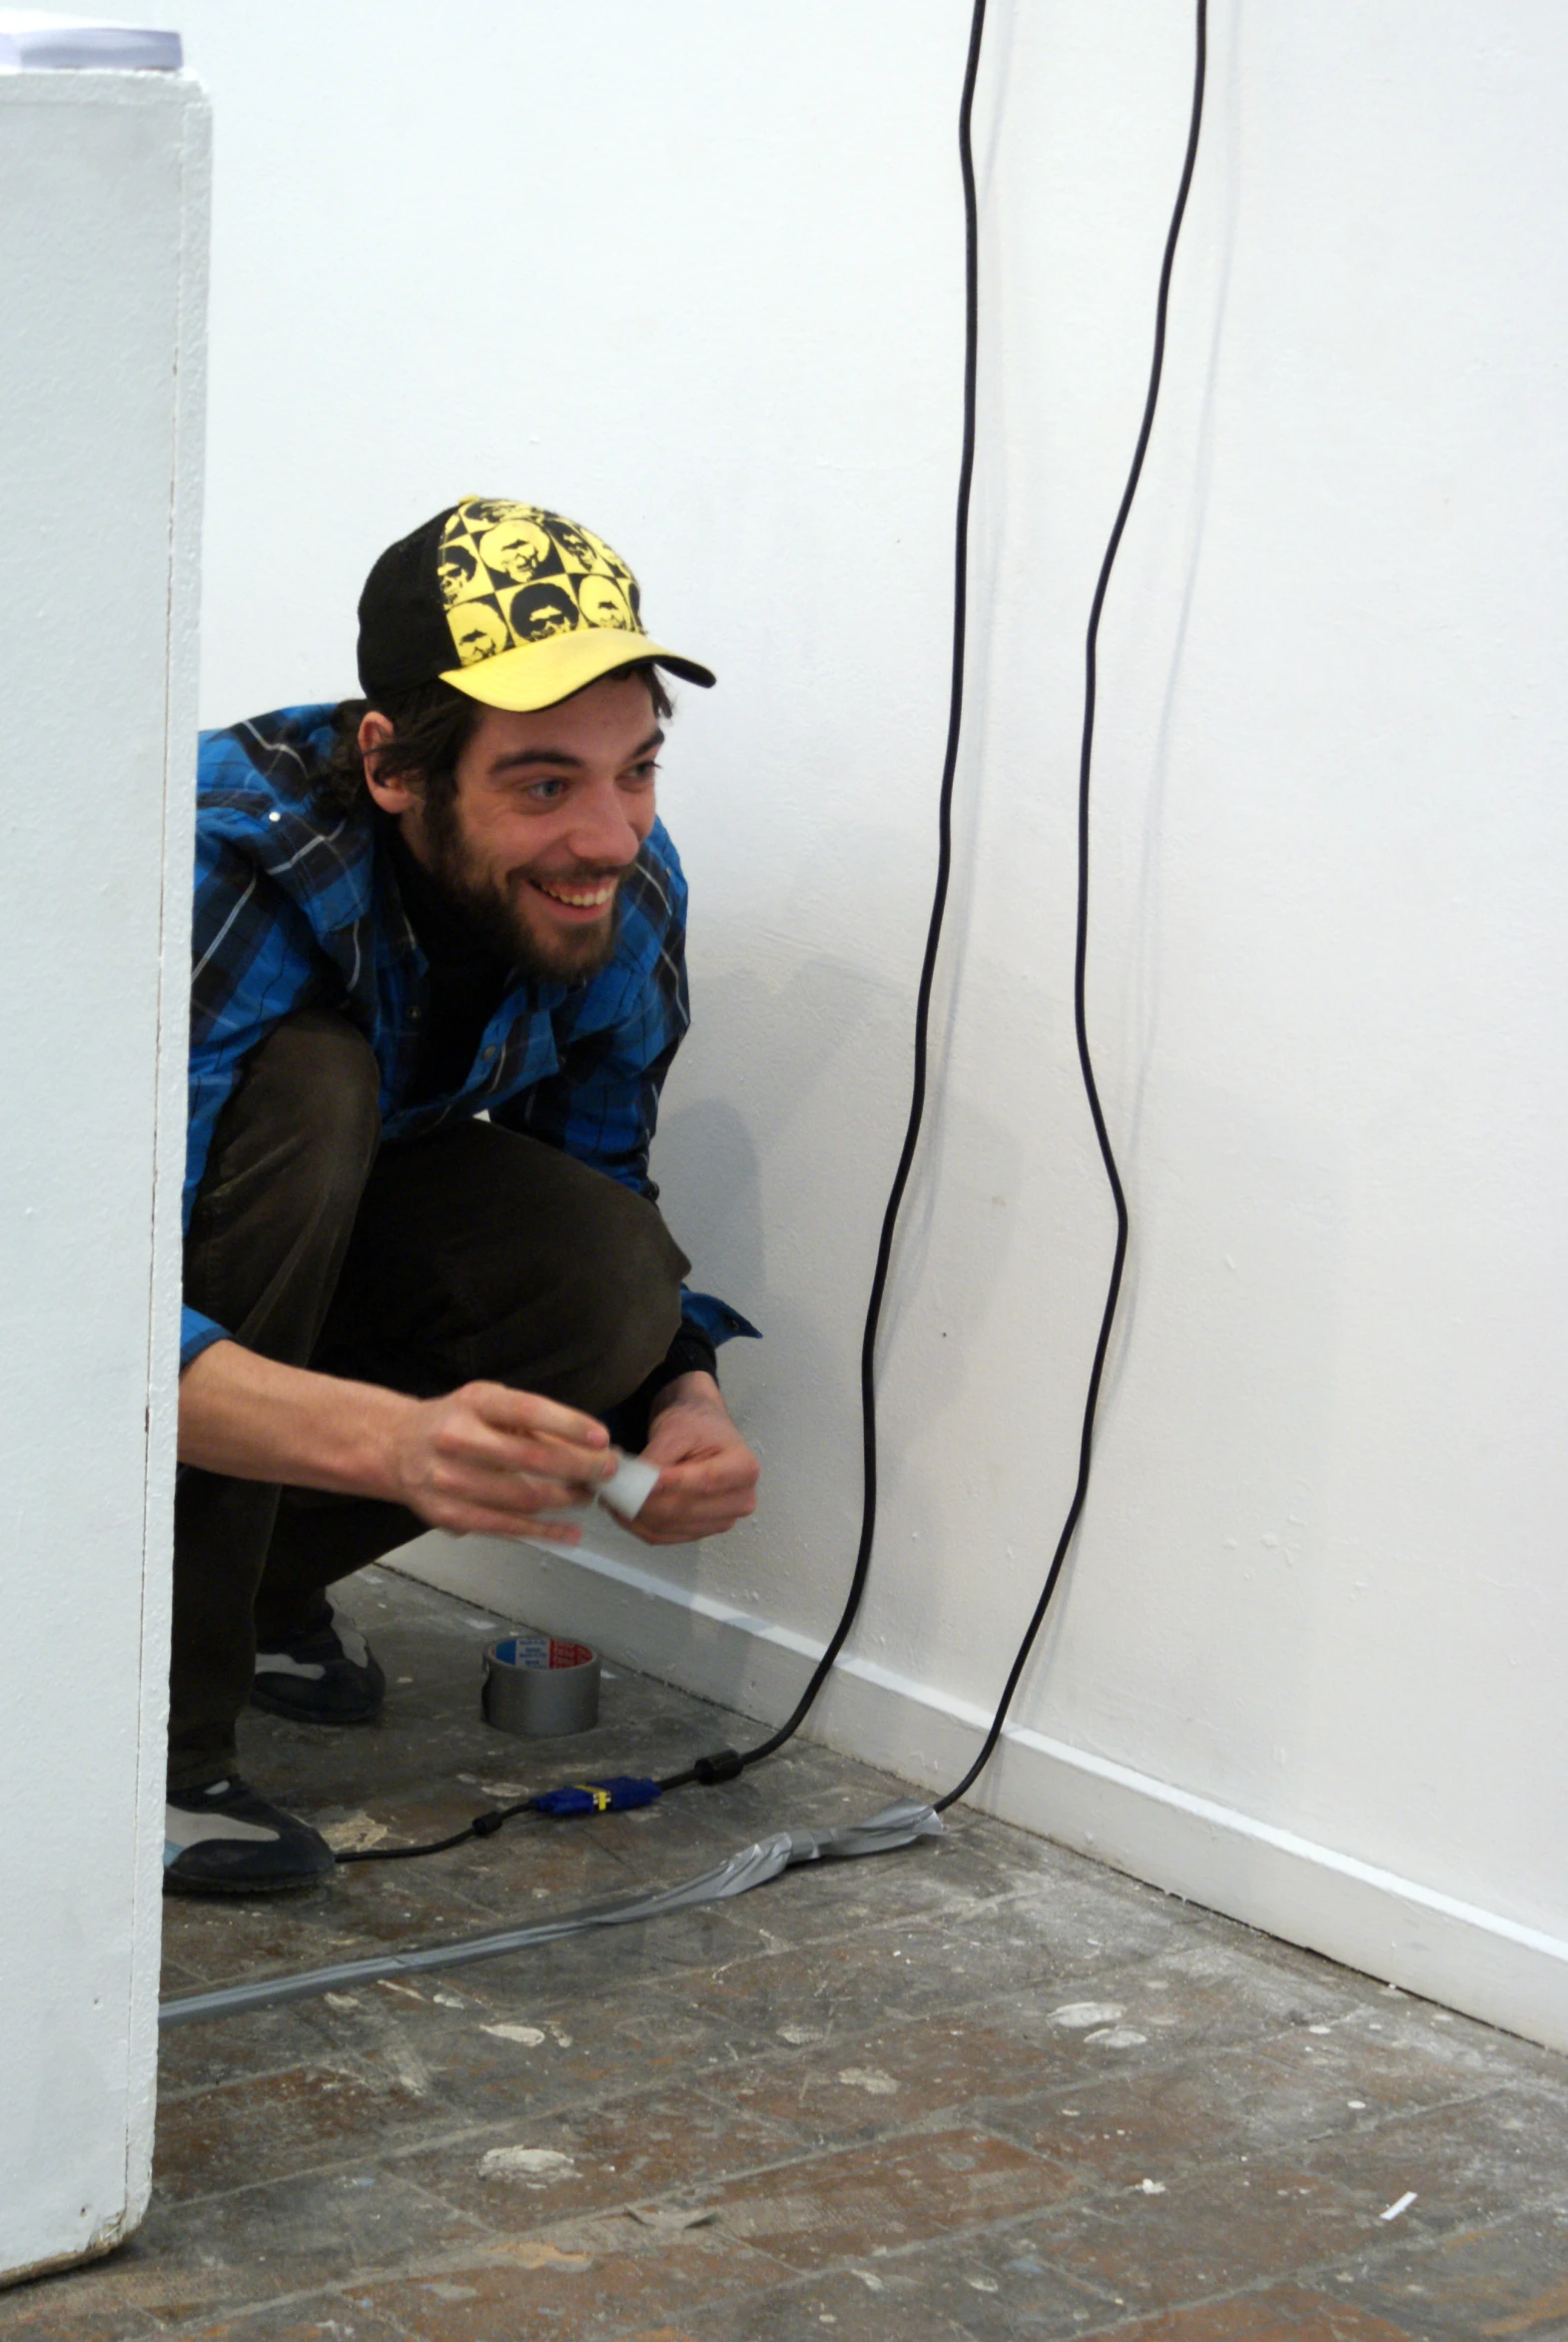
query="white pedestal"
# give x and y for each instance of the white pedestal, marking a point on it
(104, 195)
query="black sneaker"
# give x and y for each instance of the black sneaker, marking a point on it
(327, 1677)
(225, 1840)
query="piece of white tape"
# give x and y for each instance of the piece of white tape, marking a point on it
(629, 1488)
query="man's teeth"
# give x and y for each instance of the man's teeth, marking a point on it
(581, 897)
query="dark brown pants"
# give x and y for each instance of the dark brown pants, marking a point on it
(472, 1254)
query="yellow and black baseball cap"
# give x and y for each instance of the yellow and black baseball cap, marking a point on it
(508, 602)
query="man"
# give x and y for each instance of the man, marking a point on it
(449, 900)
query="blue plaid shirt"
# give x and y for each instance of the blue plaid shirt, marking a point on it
(296, 908)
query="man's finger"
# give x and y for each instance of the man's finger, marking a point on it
(490, 1481)
(567, 1461)
(708, 1477)
(685, 1532)
(700, 1535)
(522, 1492)
(524, 1411)
(478, 1520)
(535, 1495)
(551, 1459)
(699, 1519)
(479, 1444)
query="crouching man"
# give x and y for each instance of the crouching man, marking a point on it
(438, 979)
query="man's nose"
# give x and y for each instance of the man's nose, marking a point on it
(603, 834)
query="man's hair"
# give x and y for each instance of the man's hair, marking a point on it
(431, 726)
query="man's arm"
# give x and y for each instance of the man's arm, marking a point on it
(486, 1459)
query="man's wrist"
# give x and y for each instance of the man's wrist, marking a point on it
(696, 1389)
(353, 1437)
(376, 1444)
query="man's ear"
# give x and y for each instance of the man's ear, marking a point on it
(399, 791)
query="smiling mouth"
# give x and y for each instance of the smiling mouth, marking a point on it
(578, 898)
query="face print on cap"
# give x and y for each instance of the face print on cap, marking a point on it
(456, 574)
(516, 552)
(603, 604)
(482, 512)
(580, 546)
(541, 611)
(479, 630)
(512, 574)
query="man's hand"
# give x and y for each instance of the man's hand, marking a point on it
(482, 1458)
(707, 1474)
(487, 1461)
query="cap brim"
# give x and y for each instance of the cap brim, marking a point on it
(540, 674)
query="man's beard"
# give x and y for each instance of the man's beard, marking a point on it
(499, 926)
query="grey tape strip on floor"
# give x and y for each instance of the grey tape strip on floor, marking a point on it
(897, 1825)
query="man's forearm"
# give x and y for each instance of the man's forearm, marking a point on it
(483, 1458)
(254, 1419)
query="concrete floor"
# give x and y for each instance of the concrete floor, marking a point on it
(978, 2089)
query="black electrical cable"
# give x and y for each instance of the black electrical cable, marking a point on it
(927, 967)
(1081, 955)
(727, 1764)
(934, 933)
(483, 1826)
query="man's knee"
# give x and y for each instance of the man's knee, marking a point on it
(588, 1318)
(619, 1309)
(481, 1255)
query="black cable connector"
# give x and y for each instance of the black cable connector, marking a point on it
(622, 1793)
(483, 1826)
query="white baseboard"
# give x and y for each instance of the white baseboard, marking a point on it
(1409, 1934)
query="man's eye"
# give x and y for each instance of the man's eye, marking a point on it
(546, 792)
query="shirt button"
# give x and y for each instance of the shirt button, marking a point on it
(488, 1054)
(275, 817)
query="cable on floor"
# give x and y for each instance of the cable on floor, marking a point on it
(897, 1825)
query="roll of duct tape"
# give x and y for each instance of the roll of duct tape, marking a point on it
(538, 1685)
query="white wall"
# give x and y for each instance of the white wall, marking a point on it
(694, 272)
(103, 191)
